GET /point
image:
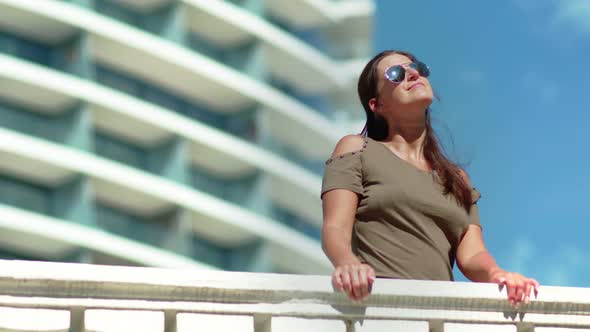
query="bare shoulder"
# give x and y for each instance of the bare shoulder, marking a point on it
(349, 143)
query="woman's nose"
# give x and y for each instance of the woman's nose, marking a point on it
(412, 74)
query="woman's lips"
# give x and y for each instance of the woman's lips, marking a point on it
(415, 85)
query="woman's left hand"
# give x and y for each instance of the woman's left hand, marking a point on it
(518, 287)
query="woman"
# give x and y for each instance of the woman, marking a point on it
(393, 205)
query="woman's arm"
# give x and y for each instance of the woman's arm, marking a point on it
(339, 207)
(473, 259)
(350, 275)
(477, 264)
(339, 210)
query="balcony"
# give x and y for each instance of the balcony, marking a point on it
(42, 296)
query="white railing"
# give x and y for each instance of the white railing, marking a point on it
(40, 296)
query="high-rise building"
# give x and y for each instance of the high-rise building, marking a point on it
(174, 133)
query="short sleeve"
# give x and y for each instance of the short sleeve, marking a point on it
(475, 195)
(343, 172)
(474, 212)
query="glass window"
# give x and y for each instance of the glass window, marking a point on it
(117, 11)
(203, 250)
(130, 226)
(24, 195)
(114, 148)
(288, 218)
(26, 49)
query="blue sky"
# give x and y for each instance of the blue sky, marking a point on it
(513, 79)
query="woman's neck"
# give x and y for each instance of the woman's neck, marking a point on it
(407, 141)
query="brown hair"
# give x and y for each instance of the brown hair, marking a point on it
(376, 128)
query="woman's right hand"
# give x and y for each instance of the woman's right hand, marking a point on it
(355, 280)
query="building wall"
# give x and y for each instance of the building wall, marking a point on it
(195, 128)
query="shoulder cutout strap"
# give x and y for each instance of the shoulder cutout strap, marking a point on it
(350, 145)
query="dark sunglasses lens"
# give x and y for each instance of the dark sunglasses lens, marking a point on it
(395, 73)
(422, 69)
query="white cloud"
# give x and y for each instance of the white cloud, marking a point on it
(564, 266)
(557, 15)
(558, 265)
(521, 255)
(574, 13)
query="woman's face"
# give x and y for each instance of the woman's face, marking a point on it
(413, 92)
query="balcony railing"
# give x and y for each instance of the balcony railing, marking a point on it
(41, 296)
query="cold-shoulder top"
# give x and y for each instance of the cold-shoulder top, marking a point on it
(405, 227)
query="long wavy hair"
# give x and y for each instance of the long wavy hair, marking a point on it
(376, 128)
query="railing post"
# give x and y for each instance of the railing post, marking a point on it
(350, 325)
(262, 323)
(76, 319)
(170, 321)
(525, 327)
(436, 325)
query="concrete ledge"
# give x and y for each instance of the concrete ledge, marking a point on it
(267, 299)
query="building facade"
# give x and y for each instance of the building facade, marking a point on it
(174, 133)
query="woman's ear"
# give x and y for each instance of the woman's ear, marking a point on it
(374, 104)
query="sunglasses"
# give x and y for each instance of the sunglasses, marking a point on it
(397, 73)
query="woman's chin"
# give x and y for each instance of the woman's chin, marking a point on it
(422, 94)
(424, 101)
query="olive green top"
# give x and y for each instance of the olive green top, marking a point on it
(405, 227)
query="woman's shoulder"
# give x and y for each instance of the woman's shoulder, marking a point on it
(348, 146)
(350, 143)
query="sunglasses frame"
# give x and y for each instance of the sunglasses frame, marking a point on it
(420, 67)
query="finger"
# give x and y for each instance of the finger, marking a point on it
(346, 283)
(520, 287)
(500, 281)
(511, 291)
(337, 280)
(536, 286)
(519, 291)
(356, 285)
(371, 275)
(364, 283)
(527, 292)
